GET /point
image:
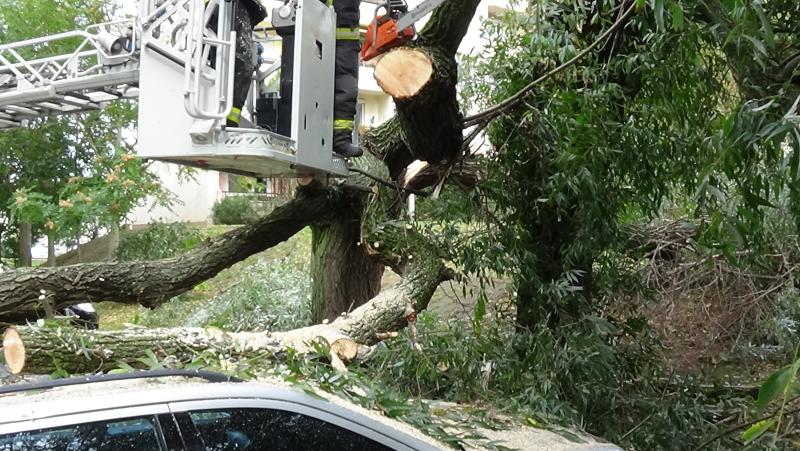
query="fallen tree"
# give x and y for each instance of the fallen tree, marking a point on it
(40, 349)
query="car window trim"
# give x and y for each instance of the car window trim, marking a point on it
(323, 415)
(171, 432)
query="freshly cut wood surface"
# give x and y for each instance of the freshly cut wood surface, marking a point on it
(14, 350)
(404, 72)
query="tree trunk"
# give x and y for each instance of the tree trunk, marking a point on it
(344, 275)
(537, 303)
(51, 250)
(113, 241)
(78, 248)
(428, 125)
(25, 244)
(427, 108)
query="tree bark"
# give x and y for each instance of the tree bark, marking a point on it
(51, 250)
(113, 241)
(344, 275)
(25, 244)
(34, 349)
(154, 282)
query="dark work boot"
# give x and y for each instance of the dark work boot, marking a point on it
(343, 145)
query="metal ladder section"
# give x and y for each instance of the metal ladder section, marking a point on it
(99, 65)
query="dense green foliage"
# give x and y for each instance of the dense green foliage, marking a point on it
(243, 209)
(234, 210)
(687, 110)
(158, 240)
(659, 115)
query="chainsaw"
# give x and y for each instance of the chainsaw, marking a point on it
(394, 27)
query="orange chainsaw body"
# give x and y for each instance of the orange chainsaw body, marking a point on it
(383, 35)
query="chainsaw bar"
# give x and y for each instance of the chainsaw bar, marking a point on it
(418, 13)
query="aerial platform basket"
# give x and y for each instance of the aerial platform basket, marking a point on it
(182, 74)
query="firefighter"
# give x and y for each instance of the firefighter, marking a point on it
(247, 14)
(346, 73)
(251, 12)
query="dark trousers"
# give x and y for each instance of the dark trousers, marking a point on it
(244, 65)
(347, 50)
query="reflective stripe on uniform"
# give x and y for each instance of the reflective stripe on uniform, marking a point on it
(347, 34)
(330, 2)
(343, 124)
(235, 115)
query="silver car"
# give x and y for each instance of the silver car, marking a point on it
(178, 410)
(169, 411)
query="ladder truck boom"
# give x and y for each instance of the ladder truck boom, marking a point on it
(181, 73)
(101, 68)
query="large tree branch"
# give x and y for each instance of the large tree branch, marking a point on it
(34, 349)
(150, 283)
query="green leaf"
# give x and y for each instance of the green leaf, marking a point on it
(59, 373)
(755, 431)
(757, 44)
(756, 199)
(533, 422)
(658, 10)
(766, 27)
(775, 385)
(729, 4)
(480, 309)
(677, 15)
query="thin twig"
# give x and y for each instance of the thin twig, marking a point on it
(511, 102)
(647, 418)
(739, 427)
(388, 183)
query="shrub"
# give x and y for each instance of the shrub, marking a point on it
(234, 210)
(238, 210)
(159, 240)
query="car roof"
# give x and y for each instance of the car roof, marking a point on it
(41, 404)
